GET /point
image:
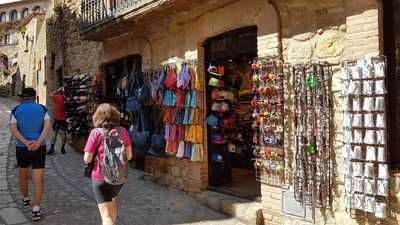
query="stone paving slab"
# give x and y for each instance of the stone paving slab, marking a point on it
(12, 216)
(68, 198)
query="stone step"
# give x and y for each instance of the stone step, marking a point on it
(249, 212)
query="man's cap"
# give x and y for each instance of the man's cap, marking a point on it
(27, 92)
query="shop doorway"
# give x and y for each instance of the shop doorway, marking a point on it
(392, 52)
(228, 59)
(117, 70)
(118, 75)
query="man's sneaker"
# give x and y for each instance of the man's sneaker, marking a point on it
(62, 150)
(26, 202)
(36, 215)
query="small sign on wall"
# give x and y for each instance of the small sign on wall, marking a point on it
(294, 208)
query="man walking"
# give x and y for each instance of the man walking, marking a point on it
(59, 120)
(30, 124)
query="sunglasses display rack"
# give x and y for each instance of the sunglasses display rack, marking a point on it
(79, 96)
(366, 174)
(313, 116)
(268, 122)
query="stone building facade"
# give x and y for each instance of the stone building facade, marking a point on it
(32, 54)
(14, 13)
(15, 17)
(296, 30)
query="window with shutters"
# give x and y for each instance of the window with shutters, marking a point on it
(3, 17)
(25, 13)
(7, 39)
(14, 15)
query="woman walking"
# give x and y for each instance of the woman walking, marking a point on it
(110, 147)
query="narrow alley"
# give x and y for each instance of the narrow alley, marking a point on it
(69, 199)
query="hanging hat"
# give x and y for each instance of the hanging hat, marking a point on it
(215, 94)
(216, 106)
(231, 147)
(216, 157)
(224, 107)
(217, 71)
(228, 122)
(217, 138)
(213, 82)
(212, 120)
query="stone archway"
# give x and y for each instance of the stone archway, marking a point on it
(130, 45)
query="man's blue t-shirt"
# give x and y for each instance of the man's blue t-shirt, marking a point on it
(29, 117)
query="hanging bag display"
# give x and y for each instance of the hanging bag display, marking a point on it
(140, 135)
(132, 102)
(157, 140)
(142, 90)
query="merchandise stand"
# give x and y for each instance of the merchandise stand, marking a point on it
(177, 92)
(313, 104)
(80, 102)
(364, 153)
(268, 120)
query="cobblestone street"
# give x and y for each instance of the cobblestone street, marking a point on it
(68, 197)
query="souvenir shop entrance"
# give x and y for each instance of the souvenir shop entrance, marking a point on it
(119, 76)
(392, 51)
(228, 59)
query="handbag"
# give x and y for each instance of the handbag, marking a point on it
(157, 139)
(142, 90)
(133, 104)
(139, 92)
(140, 136)
(87, 171)
(171, 79)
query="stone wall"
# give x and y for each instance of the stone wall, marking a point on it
(66, 52)
(179, 174)
(79, 56)
(10, 50)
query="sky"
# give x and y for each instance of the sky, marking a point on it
(7, 1)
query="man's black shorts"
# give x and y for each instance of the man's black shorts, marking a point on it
(60, 125)
(36, 158)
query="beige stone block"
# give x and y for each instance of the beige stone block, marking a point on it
(371, 13)
(330, 44)
(371, 26)
(362, 35)
(300, 51)
(354, 29)
(353, 18)
(359, 20)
